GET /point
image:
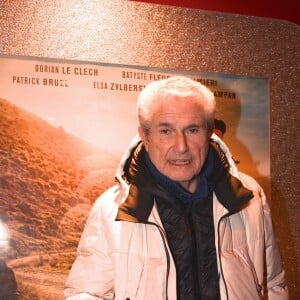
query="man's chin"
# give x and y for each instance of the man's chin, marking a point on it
(181, 180)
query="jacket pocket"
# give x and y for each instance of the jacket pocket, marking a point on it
(139, 279)
(240, 276)
(247, 260)
(127, 276)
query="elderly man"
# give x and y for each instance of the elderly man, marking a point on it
(182, 222)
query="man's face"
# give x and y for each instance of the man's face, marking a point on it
(178, 141)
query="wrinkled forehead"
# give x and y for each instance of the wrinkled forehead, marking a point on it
(176, 109)
(175, 103)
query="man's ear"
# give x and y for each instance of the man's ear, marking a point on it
(143, 137)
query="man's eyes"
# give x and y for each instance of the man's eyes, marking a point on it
(192, 130)
(165, 131)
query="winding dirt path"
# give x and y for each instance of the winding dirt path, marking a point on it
(43, 285)
(36, 283)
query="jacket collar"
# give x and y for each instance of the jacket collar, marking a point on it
(142, 187)
(139, 202)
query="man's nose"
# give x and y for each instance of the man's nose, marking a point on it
(181, 143)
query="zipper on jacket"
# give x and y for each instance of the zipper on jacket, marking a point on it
(163, 236)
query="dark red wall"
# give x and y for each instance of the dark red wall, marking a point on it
(278, 9)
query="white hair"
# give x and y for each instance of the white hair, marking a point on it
(181, 87)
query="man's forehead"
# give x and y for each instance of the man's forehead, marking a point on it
(173, 120)
(173, 124)
(195, 116)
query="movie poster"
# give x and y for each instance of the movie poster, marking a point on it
(64, 126)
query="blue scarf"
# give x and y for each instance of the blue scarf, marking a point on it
(177, 190)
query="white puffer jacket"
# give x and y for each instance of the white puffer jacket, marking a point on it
(124, 260)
